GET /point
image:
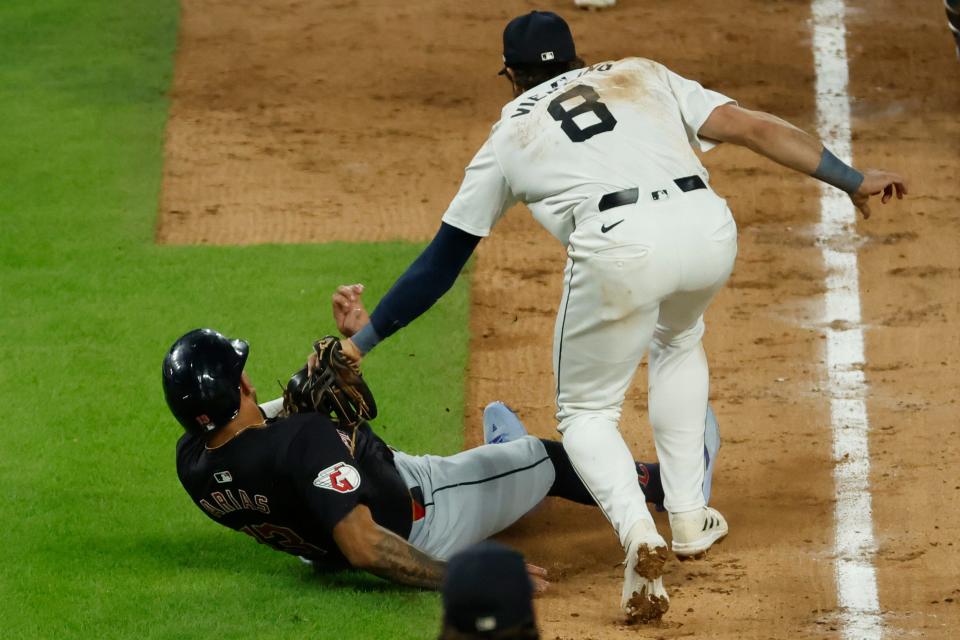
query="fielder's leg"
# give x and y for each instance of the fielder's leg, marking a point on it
(501, 424)
(606, 320)
(679, 375)
(678, 410)
(596, 353)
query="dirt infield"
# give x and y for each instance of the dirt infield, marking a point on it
(297, 121)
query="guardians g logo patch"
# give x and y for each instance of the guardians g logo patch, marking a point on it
(340, 477)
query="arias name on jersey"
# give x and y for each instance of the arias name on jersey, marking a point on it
(227, 503)
(288, 483)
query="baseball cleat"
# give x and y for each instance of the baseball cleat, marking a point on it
(953, 21)
(644, 598)
(595, 4)
(695, 531)
(501, 424)
(711, 446)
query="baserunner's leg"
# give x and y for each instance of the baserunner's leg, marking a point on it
(482, 491)
(501, 424)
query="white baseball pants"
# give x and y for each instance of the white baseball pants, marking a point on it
(646, 281)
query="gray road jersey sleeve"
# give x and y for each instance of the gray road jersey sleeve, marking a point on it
(483, 197)
(696, 104)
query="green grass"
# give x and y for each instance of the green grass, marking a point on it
(100, 540)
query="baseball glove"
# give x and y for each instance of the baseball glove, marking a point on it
(335, 387)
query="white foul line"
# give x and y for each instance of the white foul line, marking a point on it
(854, 545)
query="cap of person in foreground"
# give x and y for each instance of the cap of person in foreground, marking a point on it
(487, 593)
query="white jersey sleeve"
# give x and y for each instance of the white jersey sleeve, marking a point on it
(696, 105)
(483, 197)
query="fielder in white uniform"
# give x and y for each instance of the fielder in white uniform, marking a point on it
(604, 158)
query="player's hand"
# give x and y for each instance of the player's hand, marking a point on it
(348, 310)
(874, 183)
(351, 352)
(313, 360)
(538, 576)
(347, 348)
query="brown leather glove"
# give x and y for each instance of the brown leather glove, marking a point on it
(333, 386)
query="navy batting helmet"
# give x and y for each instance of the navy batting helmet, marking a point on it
(201, 379)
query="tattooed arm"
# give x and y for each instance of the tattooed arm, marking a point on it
(370, 547)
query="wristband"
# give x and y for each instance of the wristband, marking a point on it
(272, 408)
(836, 172)
(366, 339)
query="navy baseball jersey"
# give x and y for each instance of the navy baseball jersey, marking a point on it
(288, 483)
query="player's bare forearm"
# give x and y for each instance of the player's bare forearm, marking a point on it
(370, 547)
(791, 147)
(397, 560)
(765, 134)
(785, 144)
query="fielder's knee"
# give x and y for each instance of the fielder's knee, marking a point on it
(571, 421)
(666, 338)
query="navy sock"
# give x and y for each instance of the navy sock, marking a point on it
(650, 482)
(568, 485)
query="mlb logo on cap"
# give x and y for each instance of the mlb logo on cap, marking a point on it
(546, 56)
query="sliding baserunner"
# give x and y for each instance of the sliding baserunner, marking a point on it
(308, 476)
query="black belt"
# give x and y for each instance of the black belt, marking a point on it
(630, 196)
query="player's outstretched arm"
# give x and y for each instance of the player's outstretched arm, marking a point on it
(370, 547)
(423, 283)
(792, 147)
